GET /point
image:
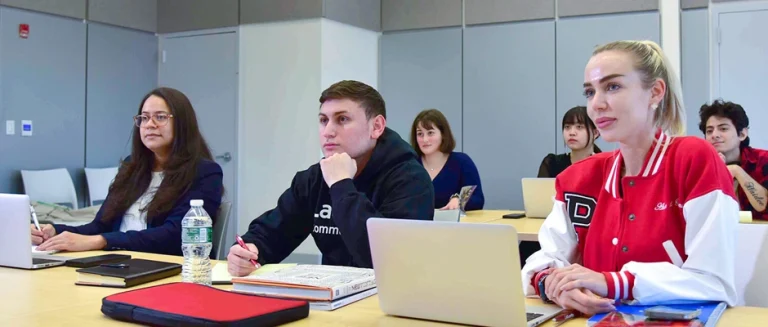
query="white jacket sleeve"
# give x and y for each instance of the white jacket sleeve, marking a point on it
(710, 244)
(558, 242)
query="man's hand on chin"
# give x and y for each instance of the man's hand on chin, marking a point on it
(338, 166)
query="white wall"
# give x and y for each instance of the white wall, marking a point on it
(279, 88)
(669, 12)
(348, 52)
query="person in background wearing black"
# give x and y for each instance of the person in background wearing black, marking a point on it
(579, 134)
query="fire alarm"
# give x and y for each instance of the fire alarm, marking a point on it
(23, 31)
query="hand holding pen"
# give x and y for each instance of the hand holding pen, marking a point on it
(242, 257)
(40, 233)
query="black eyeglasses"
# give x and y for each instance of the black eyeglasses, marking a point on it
(160, 119)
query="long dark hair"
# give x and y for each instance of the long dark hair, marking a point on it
(578, 115)
(180, 170)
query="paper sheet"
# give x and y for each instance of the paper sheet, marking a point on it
(745, 216)
(220, 275)
(35, 251)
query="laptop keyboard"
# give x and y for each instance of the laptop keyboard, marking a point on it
(38, 261)
(532, 316)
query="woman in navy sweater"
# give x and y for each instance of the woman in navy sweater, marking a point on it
(433, 141)
(170, 164)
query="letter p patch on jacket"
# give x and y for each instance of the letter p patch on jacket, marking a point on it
(580, 208)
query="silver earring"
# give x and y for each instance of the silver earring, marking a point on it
(654, 106)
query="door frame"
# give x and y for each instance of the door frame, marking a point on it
(231, 228)
(715, 9)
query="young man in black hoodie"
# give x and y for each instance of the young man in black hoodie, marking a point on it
(368, 171)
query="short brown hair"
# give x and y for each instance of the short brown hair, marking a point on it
(366, 96)
(433, 118)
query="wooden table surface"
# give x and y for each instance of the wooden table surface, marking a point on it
(527, 228)
(49, 297)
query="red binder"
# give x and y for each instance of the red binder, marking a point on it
(188, 304)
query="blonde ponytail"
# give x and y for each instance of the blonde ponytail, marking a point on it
(653, 64)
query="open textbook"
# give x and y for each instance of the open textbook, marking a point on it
(220, 274)
(308, 282)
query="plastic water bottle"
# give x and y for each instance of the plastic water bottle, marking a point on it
(196, 244)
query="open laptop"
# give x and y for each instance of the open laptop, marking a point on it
(15, 237)
(538, 195)
(459, 273)
(447, 215)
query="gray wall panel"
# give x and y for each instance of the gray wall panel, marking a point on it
(136, 14)
(417, 14)
(742, 66)
(68, 8)
(421, 70)
(189, 15)
(689, 4)
(259, 11)
(122, 68)
(595, 7)
(360, 13)
(695, 65)
(43, 80)
(497, 11)
(577, 37)
(509, 107)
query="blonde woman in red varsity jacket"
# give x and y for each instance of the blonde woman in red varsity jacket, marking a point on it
(604, 240)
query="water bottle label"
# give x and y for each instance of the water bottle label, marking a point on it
(197, 235)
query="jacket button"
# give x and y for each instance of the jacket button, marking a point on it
(631, 216)
(624, 248)
(615, 241)
(631, 182)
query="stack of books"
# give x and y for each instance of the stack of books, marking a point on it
(324, 287)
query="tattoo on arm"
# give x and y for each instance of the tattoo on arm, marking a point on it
(752, 190)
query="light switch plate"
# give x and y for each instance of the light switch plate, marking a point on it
(10, 127)
(26, 128)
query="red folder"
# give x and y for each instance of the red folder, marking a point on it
(189, 304)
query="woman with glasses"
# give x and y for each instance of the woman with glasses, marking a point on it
(170, 164)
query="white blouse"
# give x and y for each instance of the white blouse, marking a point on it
(134, 218)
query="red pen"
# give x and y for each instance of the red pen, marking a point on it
(242, 244)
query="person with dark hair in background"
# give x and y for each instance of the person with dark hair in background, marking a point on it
(170, 164)
(368, 171)
(579, 134)
(726, 126)
(433, 141)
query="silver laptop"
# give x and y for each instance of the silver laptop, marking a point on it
(459, 273)
(15, 237)
(447, 215)
(538, 196)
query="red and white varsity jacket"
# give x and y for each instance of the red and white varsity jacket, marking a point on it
(616, 225)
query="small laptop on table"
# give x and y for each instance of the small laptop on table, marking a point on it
(538, 195)
(458, 273)
(447, 215)
(15, 236)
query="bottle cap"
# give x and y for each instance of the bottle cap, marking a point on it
(196, 203)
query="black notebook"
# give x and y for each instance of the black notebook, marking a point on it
(127, 273)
